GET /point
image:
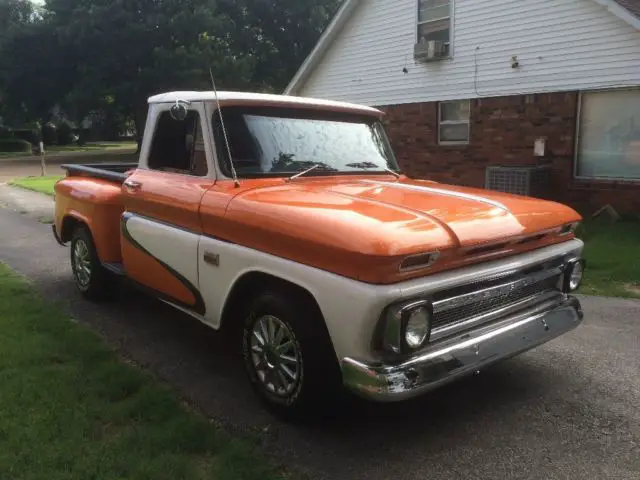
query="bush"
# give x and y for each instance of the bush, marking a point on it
(28, 134)
(49, 134)
(5, 132)
(14, 145)
(65, 134)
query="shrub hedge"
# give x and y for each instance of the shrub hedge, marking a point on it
(5, 132)
(10, 145)
(29, 134)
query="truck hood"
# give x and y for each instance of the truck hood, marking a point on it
(383, 217)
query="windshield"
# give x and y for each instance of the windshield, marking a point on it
(270, 141)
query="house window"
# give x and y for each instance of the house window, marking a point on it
(434, 22)
(453, 122)
(609, 135)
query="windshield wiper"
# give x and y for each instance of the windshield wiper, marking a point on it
(368, 165)
(315, 166)
(304, 172)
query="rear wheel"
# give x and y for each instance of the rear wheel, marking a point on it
(92, 280)
(289, 357)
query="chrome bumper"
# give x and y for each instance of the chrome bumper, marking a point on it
(450, 359)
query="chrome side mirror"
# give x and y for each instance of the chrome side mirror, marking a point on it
(178, 112)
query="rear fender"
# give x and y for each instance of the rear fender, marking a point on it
(96, 204)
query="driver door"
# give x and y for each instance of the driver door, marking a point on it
(161, 226)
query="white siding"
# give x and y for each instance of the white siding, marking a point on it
(561, 45)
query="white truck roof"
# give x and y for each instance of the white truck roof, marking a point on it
(245, 98)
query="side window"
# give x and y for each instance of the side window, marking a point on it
(178, 146)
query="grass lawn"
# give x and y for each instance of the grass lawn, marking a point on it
(613, 259)
(38, 184)
(14, 154)
(92, 147)
(105, 147)
(69, 410)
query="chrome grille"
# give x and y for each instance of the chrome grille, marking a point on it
(480, 301)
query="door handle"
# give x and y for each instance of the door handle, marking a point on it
(132, 185)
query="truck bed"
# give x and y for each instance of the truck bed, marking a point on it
(114, 172)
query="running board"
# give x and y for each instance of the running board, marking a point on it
(188, 311)
(115, 267)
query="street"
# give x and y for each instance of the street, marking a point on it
(10, 169)
(567, 410)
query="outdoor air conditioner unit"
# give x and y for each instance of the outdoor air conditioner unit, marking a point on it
(429, 51)
(533, 181)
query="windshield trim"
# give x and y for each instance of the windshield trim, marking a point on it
(303, 113)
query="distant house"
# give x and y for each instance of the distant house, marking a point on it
(472, 84)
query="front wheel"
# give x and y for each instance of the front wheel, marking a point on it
(92, 280)
(289, 357)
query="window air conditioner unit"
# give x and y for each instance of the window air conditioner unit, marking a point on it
(429, 51)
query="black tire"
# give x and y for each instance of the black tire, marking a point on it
(318, 391)
(95, 283)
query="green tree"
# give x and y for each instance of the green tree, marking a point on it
(35, 72)
(129, 50)
(14, 16)
(277, 34)
(111, 55)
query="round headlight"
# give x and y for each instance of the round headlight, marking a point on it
(575, 277)
(418, 327)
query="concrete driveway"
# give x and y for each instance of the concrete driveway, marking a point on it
(567, 410)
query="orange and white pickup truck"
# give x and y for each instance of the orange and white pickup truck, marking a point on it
(288, 222)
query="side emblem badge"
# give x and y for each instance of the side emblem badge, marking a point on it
(212, 258)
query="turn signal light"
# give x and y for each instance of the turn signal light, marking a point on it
(573, 275)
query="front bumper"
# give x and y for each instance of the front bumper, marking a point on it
(465, 354)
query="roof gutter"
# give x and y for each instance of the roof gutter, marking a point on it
(620, 12)
(326, 40)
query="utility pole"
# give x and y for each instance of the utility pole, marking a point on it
(43, 170)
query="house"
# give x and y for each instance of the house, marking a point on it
(470, 85)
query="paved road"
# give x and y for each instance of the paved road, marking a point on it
(568, 410)
(12, 168)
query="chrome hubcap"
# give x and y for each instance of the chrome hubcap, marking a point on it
(81, 263)
(274, 356)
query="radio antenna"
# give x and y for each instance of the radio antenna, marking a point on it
(224, 132)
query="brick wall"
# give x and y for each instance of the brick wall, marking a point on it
(503, 132)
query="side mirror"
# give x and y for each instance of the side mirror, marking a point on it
(178, 112)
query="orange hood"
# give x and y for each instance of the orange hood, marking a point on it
(372, 223)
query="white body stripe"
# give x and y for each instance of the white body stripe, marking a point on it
(173, 246)
(440, 191)
(351, 309)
